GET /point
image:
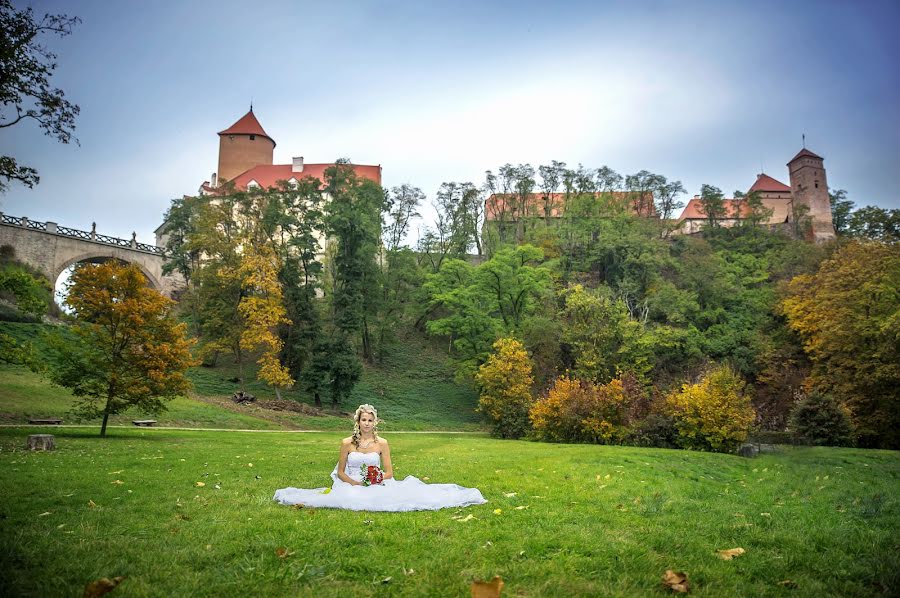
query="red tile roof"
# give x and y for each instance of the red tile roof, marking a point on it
(497, 203)
(268, 175)
(693, 209)
(247, 125)
(766, 183)
(805, 153)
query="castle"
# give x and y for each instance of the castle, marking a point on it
(246, 161)
(808, 188)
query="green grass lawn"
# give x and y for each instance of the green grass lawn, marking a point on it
(413, 389)
(595, 521)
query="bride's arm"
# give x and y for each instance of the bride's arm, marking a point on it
(386, 467)
(342, 464)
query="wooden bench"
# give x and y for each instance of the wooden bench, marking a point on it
(144, 422)
(45, 422)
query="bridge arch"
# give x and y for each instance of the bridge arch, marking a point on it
(99, 257)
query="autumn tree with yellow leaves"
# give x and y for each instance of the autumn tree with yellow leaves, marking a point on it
(848, 316)
(713, 415)
(125, 349)
(505, 383)
(262, 310)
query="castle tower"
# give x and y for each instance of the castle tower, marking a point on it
(809, 187)
(242, 146)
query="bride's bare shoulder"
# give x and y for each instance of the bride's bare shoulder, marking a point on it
(347, 441)
(382, 440)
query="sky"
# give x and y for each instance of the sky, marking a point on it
(705, 92)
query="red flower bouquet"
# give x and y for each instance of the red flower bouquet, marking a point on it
(371, 474)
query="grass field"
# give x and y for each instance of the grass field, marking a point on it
(413, 390)
(593, 520)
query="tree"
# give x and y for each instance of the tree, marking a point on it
(713, 415)
(818, 419)
(877, 224)
(400, 207)
(26, 94)
(712, 205)
(848, 317)
(126, 348)
(263, 311)
(841, 207)
(353, 221)
(504, 382)
(667, 203)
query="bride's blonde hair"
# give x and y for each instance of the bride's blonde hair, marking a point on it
(364, 408)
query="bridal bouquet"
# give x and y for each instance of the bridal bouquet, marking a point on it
(371, 474)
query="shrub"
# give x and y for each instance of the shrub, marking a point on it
(581, 411)
(505, 389)
(820, 419)
(656, 430)
(714, 414)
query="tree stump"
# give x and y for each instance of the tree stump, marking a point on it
(41, 442)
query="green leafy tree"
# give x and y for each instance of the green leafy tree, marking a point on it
(712, 205)
(841, 208)
(877, 224)
(819, 419)
(400, 209)
(126, 348)
(26, 92)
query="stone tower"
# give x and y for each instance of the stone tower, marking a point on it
(242, 146)
(809, 187)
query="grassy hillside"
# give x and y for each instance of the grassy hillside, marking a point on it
(191, 514)
(413, 390)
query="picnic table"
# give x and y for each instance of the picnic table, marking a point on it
(49, 421)
(144, 422)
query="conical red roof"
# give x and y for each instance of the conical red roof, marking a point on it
(805, 153)
(247, 125)
(766, 183)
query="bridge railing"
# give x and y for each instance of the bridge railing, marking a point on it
(92, 236)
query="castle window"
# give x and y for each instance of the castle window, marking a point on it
(817, 184)
(253, 138)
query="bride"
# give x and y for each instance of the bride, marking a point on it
(353, 489)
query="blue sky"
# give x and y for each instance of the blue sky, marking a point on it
(704, 92)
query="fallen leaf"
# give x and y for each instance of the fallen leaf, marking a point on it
(521, 507)
(387, 580)
(60, 526)
(509, 494)
(496, 512)
(408, 571)
(727, 555)
(91, 504)
(468, 517)
(487, 589)
(200, 484)
(117, 482)
(217, 487)
(102, 586)
(209, 546)
(249, 464)
(765, 514)
(326, 491)
(676, 581)
(116, 472)
(298, 506)
(426, 478)
(282, 552)
(44, 514)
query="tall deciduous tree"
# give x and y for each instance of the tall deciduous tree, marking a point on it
(712, 205)
(126, 348)
(263, 312)
(848, 315)
(400, 208)
(841, 207)
(26, 93)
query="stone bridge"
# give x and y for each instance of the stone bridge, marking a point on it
(51, 249)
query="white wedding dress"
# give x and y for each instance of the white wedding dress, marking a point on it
(409, 494)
